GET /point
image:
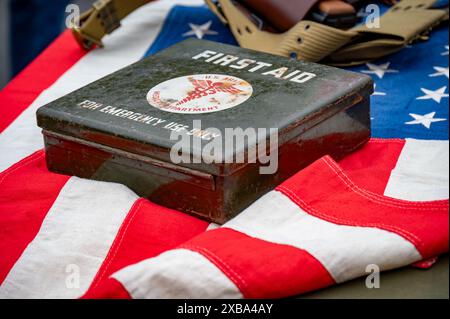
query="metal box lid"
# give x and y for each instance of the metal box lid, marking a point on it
(138, 108)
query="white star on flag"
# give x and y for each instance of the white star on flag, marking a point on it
(378, 93)
(200, 30)
(440, 72)
(437, 95)
(379, 70)
(446, 52)
(426, 120)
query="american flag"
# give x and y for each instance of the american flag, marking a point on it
(385, 205)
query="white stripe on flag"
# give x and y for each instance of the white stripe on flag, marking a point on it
(212, 226)
(422, 172)
(125, 46)
(177, 274)
(73, 242)
(345, 251)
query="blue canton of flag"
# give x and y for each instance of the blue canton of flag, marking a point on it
(411, 93)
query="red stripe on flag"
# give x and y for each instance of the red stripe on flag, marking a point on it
(27, 192)
(62, 54)
(148, 231)
(425, 224)
(253, 264)
(373, 171)
(108, 289)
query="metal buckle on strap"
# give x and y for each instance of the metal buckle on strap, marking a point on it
(107, 13)
(216, 8)
(103, 11)
(85, 41)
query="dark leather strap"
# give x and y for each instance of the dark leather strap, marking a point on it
(282, 14)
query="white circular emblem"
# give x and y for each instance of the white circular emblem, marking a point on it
(200, 93)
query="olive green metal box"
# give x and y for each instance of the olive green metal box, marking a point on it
(161, 126)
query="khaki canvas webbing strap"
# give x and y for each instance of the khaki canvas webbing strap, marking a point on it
(103, 18)
(402, 24)
(307, 40)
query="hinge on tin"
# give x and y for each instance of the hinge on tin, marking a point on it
(107, 13)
